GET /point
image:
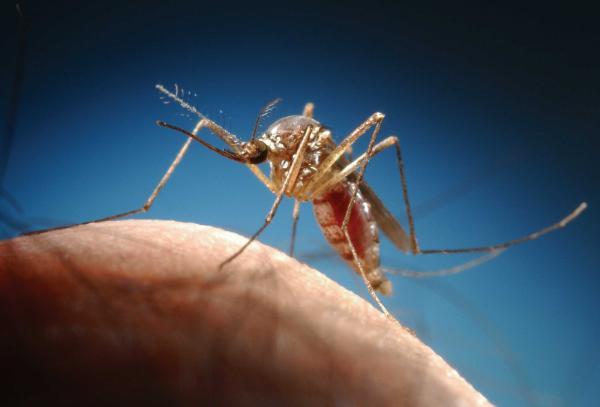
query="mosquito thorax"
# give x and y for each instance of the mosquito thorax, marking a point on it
(285, 134)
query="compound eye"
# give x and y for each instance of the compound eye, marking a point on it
(259, 152)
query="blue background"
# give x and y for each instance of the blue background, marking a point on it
(497, 110)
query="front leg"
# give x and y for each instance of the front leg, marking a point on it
(290, 180)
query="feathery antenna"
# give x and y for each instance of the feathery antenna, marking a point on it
(264, 112)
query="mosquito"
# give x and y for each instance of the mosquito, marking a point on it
(307, 165)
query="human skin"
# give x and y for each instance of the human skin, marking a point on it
(138, 311)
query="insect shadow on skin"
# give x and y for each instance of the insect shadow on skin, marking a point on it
(307, 165)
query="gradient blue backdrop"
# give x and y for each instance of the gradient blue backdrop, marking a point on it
(497, 109)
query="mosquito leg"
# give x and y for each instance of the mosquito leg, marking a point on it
(309, 109)
(445, 271)
(359, 178)
(220, 132)
(364, 162)
(266, 223)
(374, 120)
(372, 292)
(415, 247)
(295, 217)
(388, 142)
(388, 223)
(148, 204)
(532, 236)
(377, 118)
(228, 137)
(144, 208)
(290, 180)
(411, 222)
(324, 169)
(393, 141)
(349, 153)
(352, 167)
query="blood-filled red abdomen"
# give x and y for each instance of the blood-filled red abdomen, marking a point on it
(330, 209)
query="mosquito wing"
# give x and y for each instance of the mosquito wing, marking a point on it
(385, 220)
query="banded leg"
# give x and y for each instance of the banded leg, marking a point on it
(289, 181)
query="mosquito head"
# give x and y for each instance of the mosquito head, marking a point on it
(254, 152)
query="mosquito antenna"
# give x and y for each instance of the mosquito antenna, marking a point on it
(179, 100)
(264, 112)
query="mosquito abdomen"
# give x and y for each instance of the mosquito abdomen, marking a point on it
(330, 209)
